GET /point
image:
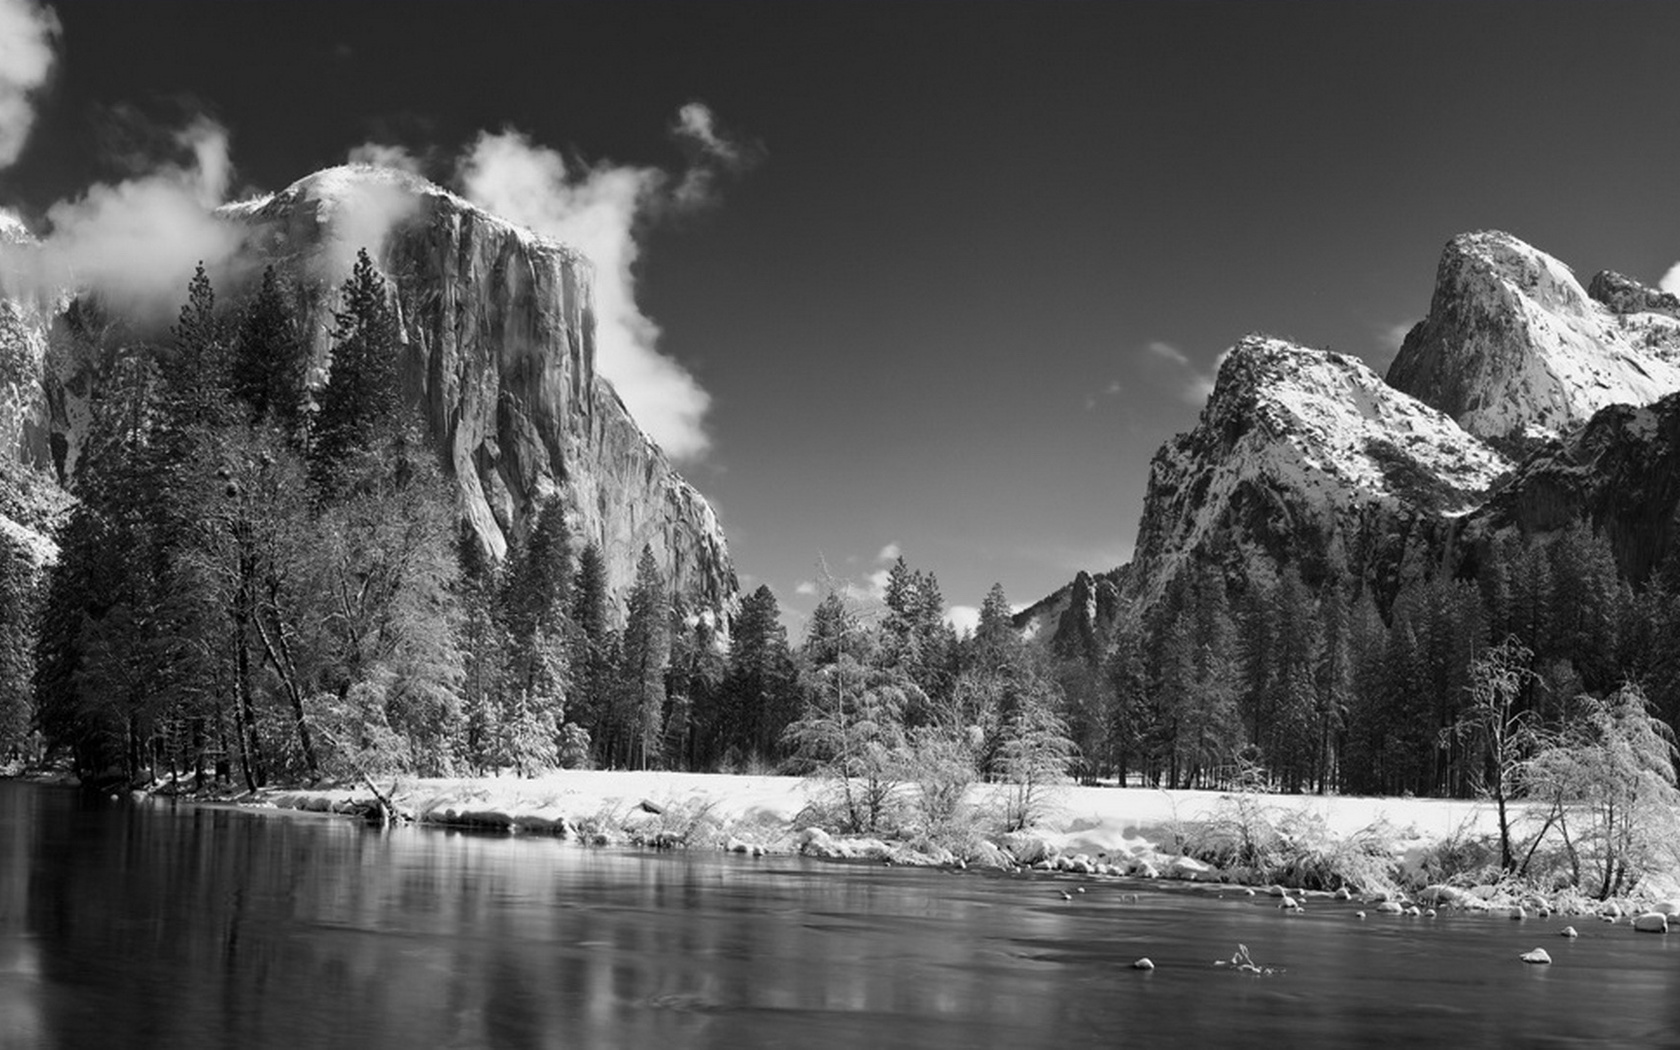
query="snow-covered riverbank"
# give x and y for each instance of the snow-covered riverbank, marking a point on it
(1092, 830)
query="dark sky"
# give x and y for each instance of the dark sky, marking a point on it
(990, 249)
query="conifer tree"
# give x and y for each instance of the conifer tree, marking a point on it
(270, 356)
(361, 399)
(647, 651)
(761, 686)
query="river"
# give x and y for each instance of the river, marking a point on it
(129, 924)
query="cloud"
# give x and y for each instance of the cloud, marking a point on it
(805, 587)
(1114, 389)
(963, 618)
(382, 155)
(1671, 280)
(891, 552)
(28, 35)
(1197, 385)
(136, 242)
(600, 210)
(1169, 352)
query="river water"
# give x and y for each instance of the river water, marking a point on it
(151, 925)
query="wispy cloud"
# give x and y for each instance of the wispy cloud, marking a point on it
(891, 552)
(28, 38)
(1169, 352)
(384, 155)
(806, 588)
(600, 210)
(1196, 384)
(136, 241)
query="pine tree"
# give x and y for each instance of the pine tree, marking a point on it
(647, 651)
(270, 356)
(361, 399)
(760, 688)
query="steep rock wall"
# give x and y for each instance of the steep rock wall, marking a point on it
(499, 354)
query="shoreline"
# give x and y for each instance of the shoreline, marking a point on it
(1099, 832)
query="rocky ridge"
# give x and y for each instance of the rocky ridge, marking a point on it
(500, 356)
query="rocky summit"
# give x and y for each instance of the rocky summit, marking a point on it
(1516, 351)
(500, 356)
(1307, 457)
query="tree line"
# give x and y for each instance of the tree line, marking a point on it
(1321, 690)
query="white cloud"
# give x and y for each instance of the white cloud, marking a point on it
(28, 33)
(1671, 280)
(1169, 352)
(599, 211)
(1199, 384)
(963, 618)
(805, 587)
(136, 242)
(891, 552)
(382, 155)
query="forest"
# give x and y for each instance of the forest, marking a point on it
(264, 578)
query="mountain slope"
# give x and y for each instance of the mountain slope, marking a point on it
(1621, 473)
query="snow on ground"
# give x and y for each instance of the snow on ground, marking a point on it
(1092, 820)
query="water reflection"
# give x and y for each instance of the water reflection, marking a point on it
(150, 926)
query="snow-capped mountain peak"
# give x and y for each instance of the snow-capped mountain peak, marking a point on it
(1517, 351)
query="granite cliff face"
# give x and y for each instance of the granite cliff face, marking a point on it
(1620, 473)
(499, 355)
(1516, 351)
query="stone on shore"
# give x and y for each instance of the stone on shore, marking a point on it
(1651, 922)
(1538, 955)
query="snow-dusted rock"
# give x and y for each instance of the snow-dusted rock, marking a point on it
(1143, 964)
(1651, 922)
(1308, 457)
(988, 856)
(1027, 847)
(1442, 894)
(1516, 351)
(1390, 908)
(1189, 868)
(1670, 908)
(1538, 955)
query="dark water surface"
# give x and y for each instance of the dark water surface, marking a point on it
(147, 925)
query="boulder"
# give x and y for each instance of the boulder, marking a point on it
(988, 856)
(1651, 922)
(1538, 955)
(1443, 894)
(1188, 868)
(1390, 908)
(1025, 846)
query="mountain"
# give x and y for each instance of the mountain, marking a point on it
(1307, 457)
(500, 356)
(1516, 351)
(1522, 403)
